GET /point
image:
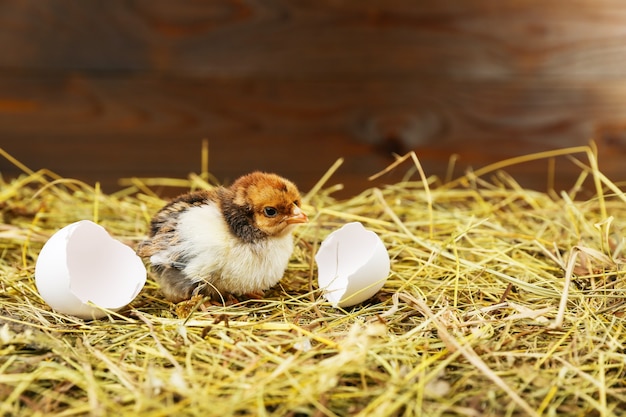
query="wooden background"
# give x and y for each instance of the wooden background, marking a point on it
(100, 90)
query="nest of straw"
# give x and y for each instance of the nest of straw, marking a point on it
(501, 302)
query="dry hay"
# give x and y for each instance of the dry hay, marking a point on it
(501, 302)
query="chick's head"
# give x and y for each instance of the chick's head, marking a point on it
(273, 201)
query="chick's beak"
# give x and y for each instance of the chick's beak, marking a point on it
(297, 216)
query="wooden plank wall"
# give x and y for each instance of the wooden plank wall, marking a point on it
(100, 89)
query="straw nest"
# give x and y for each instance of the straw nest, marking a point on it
(501, 302)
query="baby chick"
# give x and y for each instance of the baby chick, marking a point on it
(234, 240)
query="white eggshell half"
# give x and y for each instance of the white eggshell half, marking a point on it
(352, 264)
(81, 265)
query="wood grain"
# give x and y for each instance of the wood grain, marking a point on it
(102, 90)
(469, 39)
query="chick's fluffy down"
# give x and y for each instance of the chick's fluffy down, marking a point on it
(233, 266)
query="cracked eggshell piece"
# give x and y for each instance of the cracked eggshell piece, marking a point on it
(81, 270)
(353, 264)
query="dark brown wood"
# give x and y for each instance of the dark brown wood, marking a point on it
(101, 90)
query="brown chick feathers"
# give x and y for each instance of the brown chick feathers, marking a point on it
(233, 240)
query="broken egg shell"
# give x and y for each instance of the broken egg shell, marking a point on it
(353, 264)
(81, 271)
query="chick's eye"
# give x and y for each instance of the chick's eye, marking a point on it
(270, 211)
